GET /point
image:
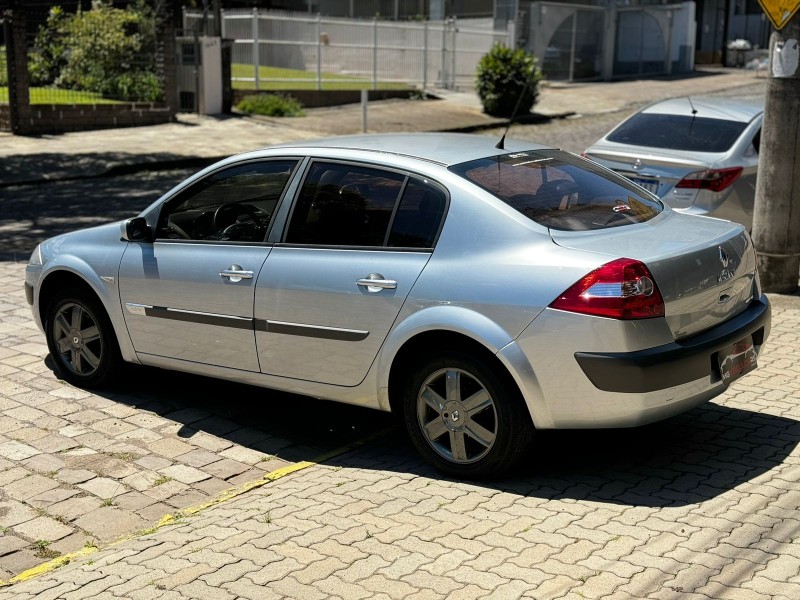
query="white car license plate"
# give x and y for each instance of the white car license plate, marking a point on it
(737, 359)
(651, 185)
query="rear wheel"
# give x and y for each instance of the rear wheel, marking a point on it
(81, 340)
(464, 418)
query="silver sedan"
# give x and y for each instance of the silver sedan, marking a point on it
(699, 155)
(480, 292)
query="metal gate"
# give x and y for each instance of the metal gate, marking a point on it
(568, 40)
(575, 42)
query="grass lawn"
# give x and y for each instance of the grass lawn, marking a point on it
(56, 96)
(304, 80)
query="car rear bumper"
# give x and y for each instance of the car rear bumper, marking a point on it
(570, 380)
(677, 363)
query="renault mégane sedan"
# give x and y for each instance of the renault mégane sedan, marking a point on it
(481, 291)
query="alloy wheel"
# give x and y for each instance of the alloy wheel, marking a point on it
(77, 337)
(457, 415)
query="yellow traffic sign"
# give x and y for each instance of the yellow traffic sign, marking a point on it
(779, 11)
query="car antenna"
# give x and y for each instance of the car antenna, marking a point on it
(694, 114)
(501, 145)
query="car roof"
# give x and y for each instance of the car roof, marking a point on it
(441, 148)
(711, 108)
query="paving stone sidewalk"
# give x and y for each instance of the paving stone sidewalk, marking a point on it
(80, 468)
(704, 506)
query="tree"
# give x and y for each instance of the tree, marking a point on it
(106, 50)
(505, 76)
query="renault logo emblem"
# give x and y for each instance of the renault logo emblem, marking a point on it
(723, 258)
(638, 164)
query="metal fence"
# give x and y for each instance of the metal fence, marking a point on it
(274, 50)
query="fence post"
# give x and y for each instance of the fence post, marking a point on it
(319, 51)
(425, 57)
(166, 54)
(572, 45)
(222, 22)
(375, 53)
(19, 104)
(256, 48)
(364, 100)
(445, 25)
(455, 54)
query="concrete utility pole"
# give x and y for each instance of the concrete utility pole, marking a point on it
(776, 219)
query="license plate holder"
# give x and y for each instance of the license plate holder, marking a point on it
(651, 185)
(737, 360)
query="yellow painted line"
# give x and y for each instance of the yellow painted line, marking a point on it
(223, 496)
(49, 566)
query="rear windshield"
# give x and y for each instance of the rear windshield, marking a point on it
(560, 190)
(678, 132)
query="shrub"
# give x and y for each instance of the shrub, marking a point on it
(502, 76)
(271, 105)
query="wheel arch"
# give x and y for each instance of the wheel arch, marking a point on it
(431, 340)
(457, 327)
(61, 277)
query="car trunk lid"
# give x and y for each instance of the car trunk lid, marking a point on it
(657, 170)
(704, 268)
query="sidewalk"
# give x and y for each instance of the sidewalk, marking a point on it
(195, 139)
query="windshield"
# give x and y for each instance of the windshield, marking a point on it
(560, 190)
(678, 132)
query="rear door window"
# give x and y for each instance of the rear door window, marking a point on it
(561, 191)
(678, 132)
(344, 205)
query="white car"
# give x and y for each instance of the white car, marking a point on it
(699, 155)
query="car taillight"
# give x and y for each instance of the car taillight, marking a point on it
(621, 289)
(715, 180)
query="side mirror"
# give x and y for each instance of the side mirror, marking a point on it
(136, 230)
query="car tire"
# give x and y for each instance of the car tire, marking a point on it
(81, 340)
(478, 429)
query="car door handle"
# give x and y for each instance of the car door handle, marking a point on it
(375, 282)
(235, 274)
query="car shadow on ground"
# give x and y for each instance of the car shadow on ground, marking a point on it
(685, 460)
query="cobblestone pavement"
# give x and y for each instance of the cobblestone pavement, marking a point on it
(704, 506)
(79, 468)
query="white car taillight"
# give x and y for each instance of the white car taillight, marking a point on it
(715, 180)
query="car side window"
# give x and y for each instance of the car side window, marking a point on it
(233, 204)
(419, 216)
(344, 205)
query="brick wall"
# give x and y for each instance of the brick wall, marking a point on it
(5, 117)
(61, 118)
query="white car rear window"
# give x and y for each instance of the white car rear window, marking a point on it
(678, 132)
(560, 190)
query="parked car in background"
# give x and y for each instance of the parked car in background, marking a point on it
(699, 155)
(480, 293)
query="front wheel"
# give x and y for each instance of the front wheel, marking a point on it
(464, 418)
(81, 340)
